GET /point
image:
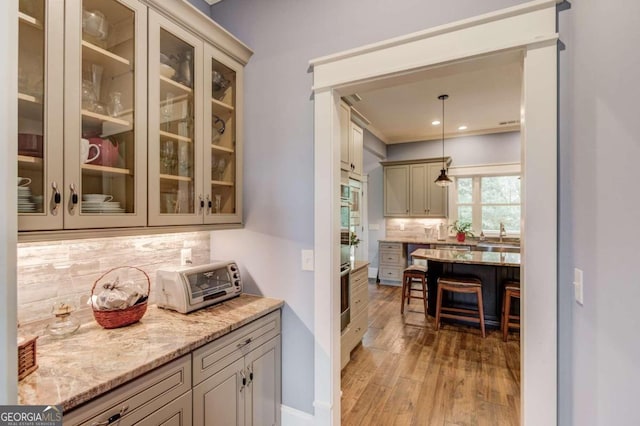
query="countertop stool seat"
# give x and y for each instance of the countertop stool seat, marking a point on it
(414, 274)
(511, 290)
(460, 284)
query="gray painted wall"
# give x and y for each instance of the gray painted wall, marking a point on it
(599, 201)
(279, 172)
(464, 151)
(201, 5)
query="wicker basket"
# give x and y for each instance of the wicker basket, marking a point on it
(27, 363)
(120, 317)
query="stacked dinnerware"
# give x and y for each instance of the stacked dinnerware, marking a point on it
(100, 203)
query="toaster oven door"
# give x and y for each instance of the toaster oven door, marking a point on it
(208, 285)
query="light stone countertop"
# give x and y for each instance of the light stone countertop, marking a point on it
(424, 240)
(357, 265)
(93, 360)
(469, 257)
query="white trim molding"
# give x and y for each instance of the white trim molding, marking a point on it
(292, 417)
(529, 28)
(486, 170)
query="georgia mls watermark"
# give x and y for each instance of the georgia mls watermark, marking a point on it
(30, 415)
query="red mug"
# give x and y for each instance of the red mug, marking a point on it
(109, 153)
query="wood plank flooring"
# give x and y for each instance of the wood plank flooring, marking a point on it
(406, 373)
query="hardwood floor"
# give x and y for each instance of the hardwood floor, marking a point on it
(406, 373)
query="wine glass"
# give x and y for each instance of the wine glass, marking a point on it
(167, 110)
(222, 163)
(168, 157)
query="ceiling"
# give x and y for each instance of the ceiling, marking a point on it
(484, 94)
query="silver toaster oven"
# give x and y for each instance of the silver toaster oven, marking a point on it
(187, 288)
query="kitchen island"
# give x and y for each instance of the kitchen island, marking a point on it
(492, 268)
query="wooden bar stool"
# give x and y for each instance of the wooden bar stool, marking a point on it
(511, 290)
(410, 275)
(460, 284)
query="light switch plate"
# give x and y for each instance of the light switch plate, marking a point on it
(578, 286)
(374, 227)
(307, 260)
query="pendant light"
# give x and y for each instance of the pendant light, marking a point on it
(443, 179)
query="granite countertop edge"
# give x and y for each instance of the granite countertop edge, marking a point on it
(52, 377)
(476, 258)
(358, 264)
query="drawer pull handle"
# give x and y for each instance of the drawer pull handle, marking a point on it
(245, 343)
(113, 418)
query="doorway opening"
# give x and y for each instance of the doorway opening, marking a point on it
(529, 28)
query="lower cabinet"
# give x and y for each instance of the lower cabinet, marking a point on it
(359, 305)
(392, 262)
(237, 379)
(234, 380)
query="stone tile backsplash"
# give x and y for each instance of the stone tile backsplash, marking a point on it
(50, 272)
(413, 228)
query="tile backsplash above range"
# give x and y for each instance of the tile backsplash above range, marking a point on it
(64, 271)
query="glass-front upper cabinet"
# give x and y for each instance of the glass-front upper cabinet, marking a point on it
(40, 37)
(175, 124)
(222, 152)
(105, 114)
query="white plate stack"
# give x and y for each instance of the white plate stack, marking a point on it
(25, 205)
(100, 203)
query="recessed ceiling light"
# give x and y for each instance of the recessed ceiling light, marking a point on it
(462, 127)
(435, 122)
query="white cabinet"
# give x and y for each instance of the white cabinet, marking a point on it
(89, 169)
(162, 396)
(194, 138)
(396, 190)
(351, 140)
(392, 262)
(359, 305)
(427, 199)
(238, 377)
(129, 115)
(410, 189)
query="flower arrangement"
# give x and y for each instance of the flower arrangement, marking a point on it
(353, 239)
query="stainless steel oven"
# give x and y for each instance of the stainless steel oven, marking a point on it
(345, 311)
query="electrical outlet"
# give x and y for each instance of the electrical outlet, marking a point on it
(374, 227)
(402, 226)
(185, 256)
(578, 286)
(307, 260)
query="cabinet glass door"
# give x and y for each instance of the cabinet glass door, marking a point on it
(106, 84)
(221, 133)
(39, 127)
(175, 194)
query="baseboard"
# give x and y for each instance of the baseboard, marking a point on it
(373, 272)
(293, 417)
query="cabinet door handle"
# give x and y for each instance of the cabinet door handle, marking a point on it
(250, 369)
(201, 202)
(244, 380)
(56, 198)
(113, 418)
(73, 200)
(245, 343)
(209, 204)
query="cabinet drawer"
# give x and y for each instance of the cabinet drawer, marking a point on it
(359, 327)
(213, 357)
(359, 278)
(176, 413)
(139, 398)
(390, 258)
(391, 274)
(359, 300)
(391, 247)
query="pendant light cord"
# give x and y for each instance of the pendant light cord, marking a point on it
(443, 98)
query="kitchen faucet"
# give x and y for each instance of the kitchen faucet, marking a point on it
(503, 232)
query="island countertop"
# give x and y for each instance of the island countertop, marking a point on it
(93, 361)
(468, 257)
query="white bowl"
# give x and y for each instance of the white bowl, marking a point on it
(96, 197)
(167, 71)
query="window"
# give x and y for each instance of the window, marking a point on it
(487, 200)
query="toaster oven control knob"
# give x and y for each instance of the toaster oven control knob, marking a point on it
(235, 275)
(237, 283)
(233, 268)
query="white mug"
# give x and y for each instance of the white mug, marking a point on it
(85, 147)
